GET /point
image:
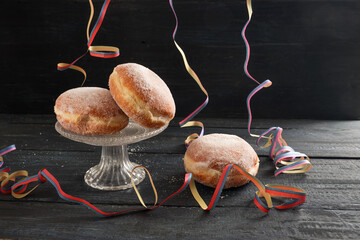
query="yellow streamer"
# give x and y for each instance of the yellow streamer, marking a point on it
(137, 191)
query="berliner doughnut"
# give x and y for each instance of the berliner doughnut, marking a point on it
(142, 95)
(207, 156)
(89, 111)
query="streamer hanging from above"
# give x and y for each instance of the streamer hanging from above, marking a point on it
(247, 46)
(297, 196)
(286, 160)
(95, 51)
(186, 122)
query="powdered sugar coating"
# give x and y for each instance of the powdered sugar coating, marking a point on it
(88, 100)
(89, 111)
(224, 148)
(148, 85)
(142, 95)
(207, 156)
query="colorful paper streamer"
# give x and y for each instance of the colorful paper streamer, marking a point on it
(287, 162)
(296, 196)
(95, 51)
(186, 122)
(286, 159)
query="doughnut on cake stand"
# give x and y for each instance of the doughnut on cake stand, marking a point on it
(114, 170)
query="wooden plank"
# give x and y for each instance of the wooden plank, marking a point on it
(64, 221)
(317, 139)
(326, 183)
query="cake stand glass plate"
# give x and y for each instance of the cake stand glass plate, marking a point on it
(114, 169)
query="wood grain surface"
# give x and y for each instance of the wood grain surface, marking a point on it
(330, 212)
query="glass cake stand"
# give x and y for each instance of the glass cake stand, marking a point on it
(114, 170)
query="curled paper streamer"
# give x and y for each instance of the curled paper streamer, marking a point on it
(193, 136)
(265, 84)
(250, 12)
(95, 51)
(3, 152)
(17, 189)
(286, 160)
(6, 178)
(186, 122)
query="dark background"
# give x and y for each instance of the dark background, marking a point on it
(309, 49)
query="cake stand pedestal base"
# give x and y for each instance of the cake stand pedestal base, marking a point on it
(114, 170)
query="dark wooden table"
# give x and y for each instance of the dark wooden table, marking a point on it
(332, 209)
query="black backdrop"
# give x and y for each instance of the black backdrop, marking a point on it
(309, 49)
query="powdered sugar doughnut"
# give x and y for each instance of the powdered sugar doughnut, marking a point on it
(142, 95)
(207, 156)
(89, 111)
